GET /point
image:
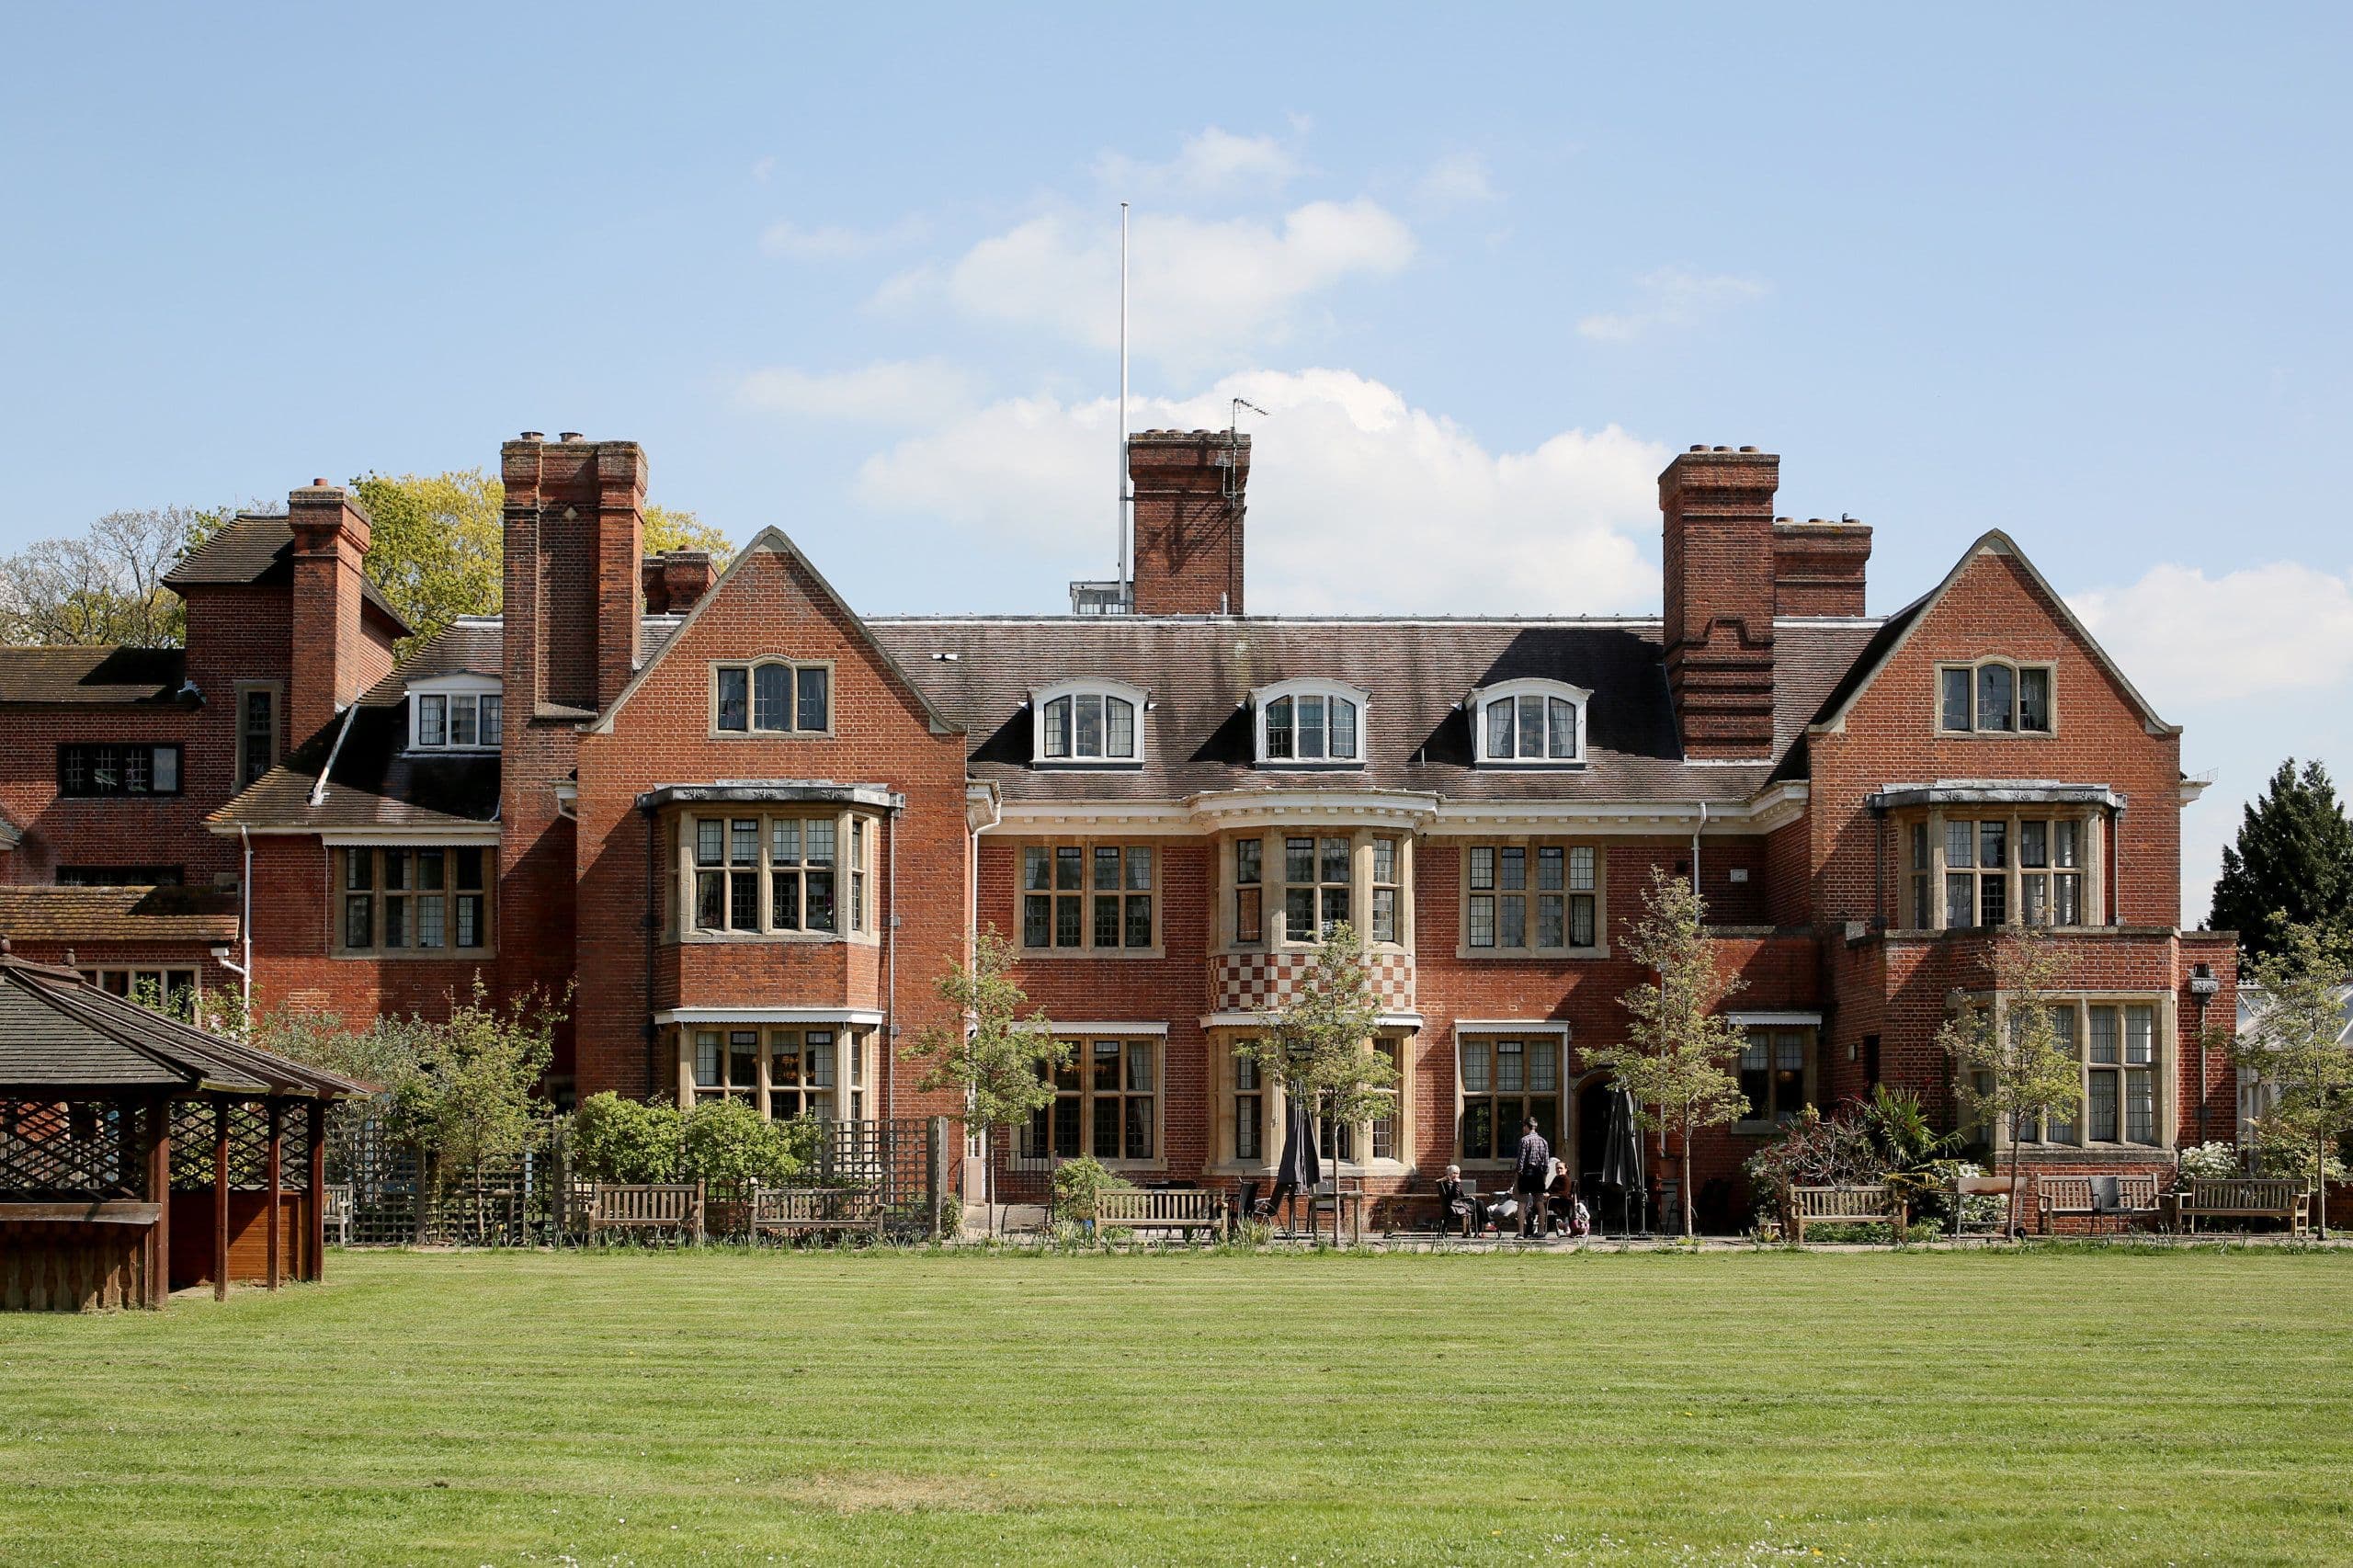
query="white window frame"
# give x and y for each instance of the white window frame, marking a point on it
(1265, 696)
(2017, 701)
(848, 1089)
(1134, 696)
(1577, 697)
(473, 688)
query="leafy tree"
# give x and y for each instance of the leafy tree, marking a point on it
(1679, 1049)
(1002, 1063)
(2014, 1065)
(728, 1143)
(105, 587)
(2293, 863)
(437, 545)
(615, 1139)
(476, 1095)
(1319, 1042)
(2296, 1047)
(668, 529)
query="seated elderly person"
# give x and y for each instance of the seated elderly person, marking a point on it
(1458, 1204)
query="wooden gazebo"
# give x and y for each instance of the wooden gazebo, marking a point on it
(139, 1156)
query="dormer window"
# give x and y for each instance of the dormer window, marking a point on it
(771, 696)
(1530, 723)
(1310, 723)
(1097, 721)
(1993, 697)
(459, 712)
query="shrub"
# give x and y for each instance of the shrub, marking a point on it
(618, 1140)
(727, 1142)
(1079, 1184)
(2211, 1162)
(2272, 1157)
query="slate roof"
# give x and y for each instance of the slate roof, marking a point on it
(58, 1032)
(376, 781)
(36, 913)
(43, 675)
(1200, 671)
(258, 547)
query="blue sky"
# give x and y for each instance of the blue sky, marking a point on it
(2074, 272)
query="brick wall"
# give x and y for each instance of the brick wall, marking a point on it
(1190, 505)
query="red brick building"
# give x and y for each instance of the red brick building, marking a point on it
(744, 828)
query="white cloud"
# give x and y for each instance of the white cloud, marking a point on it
(764, 168)
(1348, 481)
(2186, 638)
(1202, 291)
(1214, 162)
(1459, 179)
(897, 391)
(832, 242)
(1671, 296)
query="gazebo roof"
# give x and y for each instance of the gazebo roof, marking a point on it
(58, 1032)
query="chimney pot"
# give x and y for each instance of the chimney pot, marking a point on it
(318, 484)
(534, 436)
(570, 435)
(1723, 448)
(1747, 448)
(1698, 448)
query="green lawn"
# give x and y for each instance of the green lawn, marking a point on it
(1923, 1407)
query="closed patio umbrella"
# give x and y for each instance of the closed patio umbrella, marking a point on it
(1298, 1169)
(1621, 1160)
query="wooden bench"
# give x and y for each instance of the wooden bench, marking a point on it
(796, 1211)
(336, 1218)
(2244, 1197)
(2130, 1197)
(1183, 1210)
(645, 1208)
(1871, 1205)
(2010, 1189)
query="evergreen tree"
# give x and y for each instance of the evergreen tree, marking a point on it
(2293, 864)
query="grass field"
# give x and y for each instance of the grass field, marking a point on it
(484, 1408)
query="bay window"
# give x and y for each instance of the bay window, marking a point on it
(1990, 871)
(1317, 879)
(784, 1073)
(771, 873)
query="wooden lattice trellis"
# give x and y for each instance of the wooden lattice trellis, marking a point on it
(72, 1149)
(193, 1132)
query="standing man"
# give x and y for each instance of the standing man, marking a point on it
(1530, 1178)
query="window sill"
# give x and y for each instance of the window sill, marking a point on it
(414, 955)
(1535, 955)
(1110, 955)
(718, 734)
(1944, 734)
(779, 939)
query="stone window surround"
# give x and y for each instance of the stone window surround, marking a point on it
(1274, 1109)
(1081, 1037)
(1085, 894)
(339, 891)
(1568, 1081)
(2163, 1068)
(1905, 806)
(1271, 884)
(854, 1043)
(277, 690)
(1531, 842)
(751, 667)
(679, 827)
(1937, 698)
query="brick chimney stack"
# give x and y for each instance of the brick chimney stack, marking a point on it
(676, 580)
(576, 528)
(1189, 503)
(1720, 563)
(328, 669)
(1818, 566)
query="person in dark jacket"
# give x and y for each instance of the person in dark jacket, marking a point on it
(1530, 1176)
(1457, 1206)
